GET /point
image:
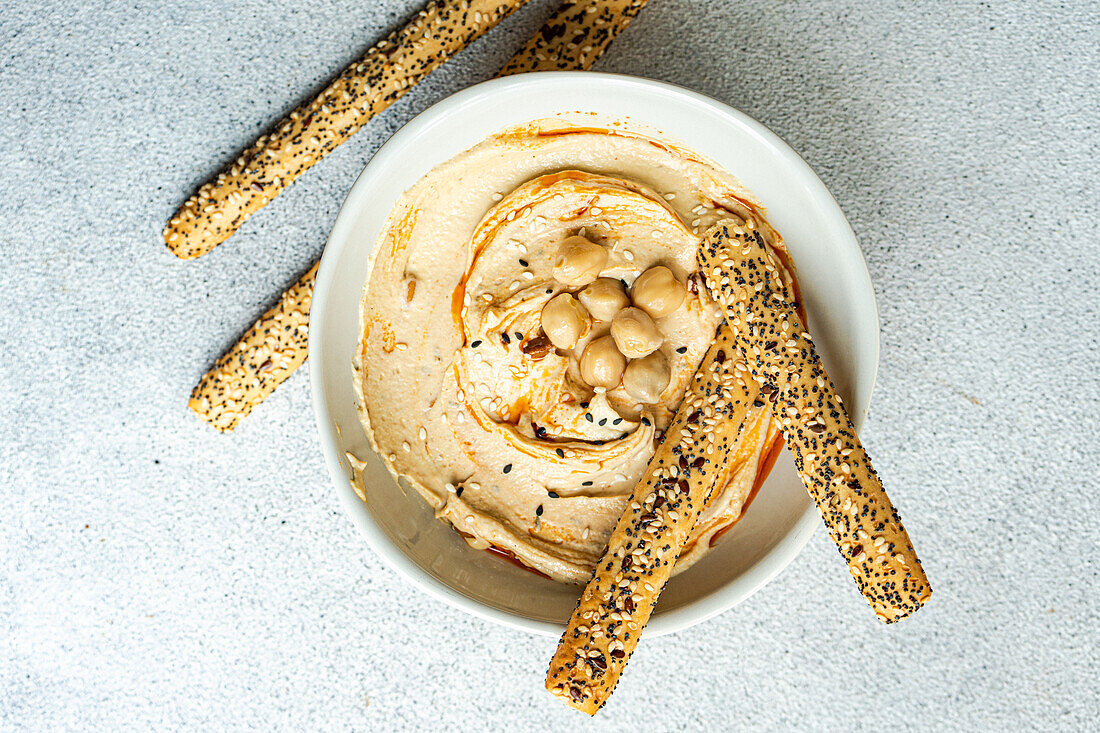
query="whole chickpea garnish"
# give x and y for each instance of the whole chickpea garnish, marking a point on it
(658, 292)
(635, 333)
(602, 364)
(647, 378)
(565, 321)
(604, 298)
(578, 262)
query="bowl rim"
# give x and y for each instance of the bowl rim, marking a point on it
(759, 574)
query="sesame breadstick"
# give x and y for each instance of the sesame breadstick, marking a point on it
(368, 86)
(777, 351)
(575, 36)
(700, 451)
(262, 360)
(221, 398)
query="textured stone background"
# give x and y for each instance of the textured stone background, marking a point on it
(154, 573)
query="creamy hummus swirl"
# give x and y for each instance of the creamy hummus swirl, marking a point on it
(499, 433)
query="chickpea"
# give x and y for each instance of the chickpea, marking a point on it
(565, 321)
(658, 292)
(635, 333)
(604, 298)
(647, 378)
(601, 363)
(578, 262)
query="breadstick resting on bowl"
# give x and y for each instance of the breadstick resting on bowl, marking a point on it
(762, 353)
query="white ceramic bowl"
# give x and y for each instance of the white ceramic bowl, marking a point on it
(836, 289)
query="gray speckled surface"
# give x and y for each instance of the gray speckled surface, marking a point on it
(155, 573)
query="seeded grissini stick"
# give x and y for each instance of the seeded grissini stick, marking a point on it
(262, 360)
(700, 451)
(368, 86)
(577, 34)
(242, 378)
(777, 351)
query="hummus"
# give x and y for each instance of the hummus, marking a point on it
(461, 393)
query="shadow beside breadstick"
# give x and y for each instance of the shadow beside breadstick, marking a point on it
(777, 351)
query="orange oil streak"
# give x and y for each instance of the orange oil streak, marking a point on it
(506, 555)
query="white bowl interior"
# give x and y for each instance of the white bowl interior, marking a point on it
(836, 289)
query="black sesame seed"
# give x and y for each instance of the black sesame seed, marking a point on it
(560, 452)
(475, 344)
(508, 468)
(588, 416)
(602, 422)
(519, 336)
(646, 422)
(459, 490)
(616, 421)
(682, 350)
(505, 338)
(758, 402)
(587, 483)
(552, 494)
(523, 263)
(538, 512)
